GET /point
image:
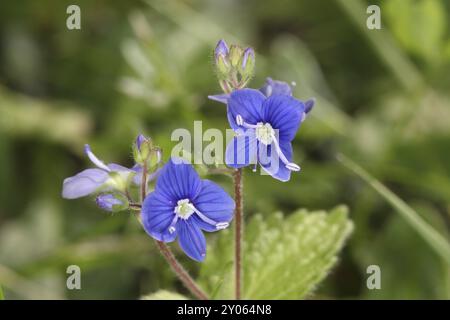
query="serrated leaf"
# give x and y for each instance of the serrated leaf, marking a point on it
(164, 295)
(284, 257)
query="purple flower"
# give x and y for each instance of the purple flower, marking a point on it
(103, 178)
(265, 127)
(183, 205)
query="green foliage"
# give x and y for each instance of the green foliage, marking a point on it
(164, 295)
(434, 239)
(2, 296)
(419, 25)
(147, 67)
(285, 257)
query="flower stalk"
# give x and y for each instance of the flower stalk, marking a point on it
(239, 230)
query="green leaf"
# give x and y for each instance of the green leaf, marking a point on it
(164, 295)
(284, 257)
(435, 240)
(2, 296)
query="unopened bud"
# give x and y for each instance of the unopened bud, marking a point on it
(248, 62)
(112, 202)
(221, 49)
(235, 55)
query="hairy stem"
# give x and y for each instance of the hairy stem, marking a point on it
(238, 185)
(182, 274)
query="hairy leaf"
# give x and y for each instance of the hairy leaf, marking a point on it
(285, 256)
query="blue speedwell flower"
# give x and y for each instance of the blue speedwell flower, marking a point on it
(103, 178)
(265, 127)
(183, 205)
(271, 87)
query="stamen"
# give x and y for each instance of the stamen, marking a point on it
(172, 228)
(289, 165)
(218, 225)
(240, 122)
(94, 159)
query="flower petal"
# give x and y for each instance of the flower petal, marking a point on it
(214, 203)
(191, 239)
(271, 162)
(241, 151)
(223, 98)
(178, 180)
(247, 103)
(84, 183)
(285, 114)
(157, 215)
(272, 87)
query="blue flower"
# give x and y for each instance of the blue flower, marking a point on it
(265, 127)
(182, 205)
(103, 178)
(271, 87)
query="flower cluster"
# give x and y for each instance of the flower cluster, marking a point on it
(181, 205)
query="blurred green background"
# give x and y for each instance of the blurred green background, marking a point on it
(135, 66)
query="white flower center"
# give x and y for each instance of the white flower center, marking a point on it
(184, 209)
(264, 133)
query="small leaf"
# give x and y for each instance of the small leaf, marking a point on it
(284, 257)
(164, 295)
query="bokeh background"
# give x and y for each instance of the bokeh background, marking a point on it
(136, 66)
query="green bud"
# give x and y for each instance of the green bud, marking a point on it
(223, 66)
(235, 55)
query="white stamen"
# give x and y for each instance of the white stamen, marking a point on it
(222, 225)
(185, 209)
(94, 159)
(292, 166)
(239, 120)
(289, 165)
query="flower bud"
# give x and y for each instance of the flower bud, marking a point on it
(112, 202)
(142, 149)
(235, 55)
(247, 64)
(223, 66)
(145, 153)
(221, 49)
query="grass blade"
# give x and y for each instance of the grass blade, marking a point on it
(436, 241)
